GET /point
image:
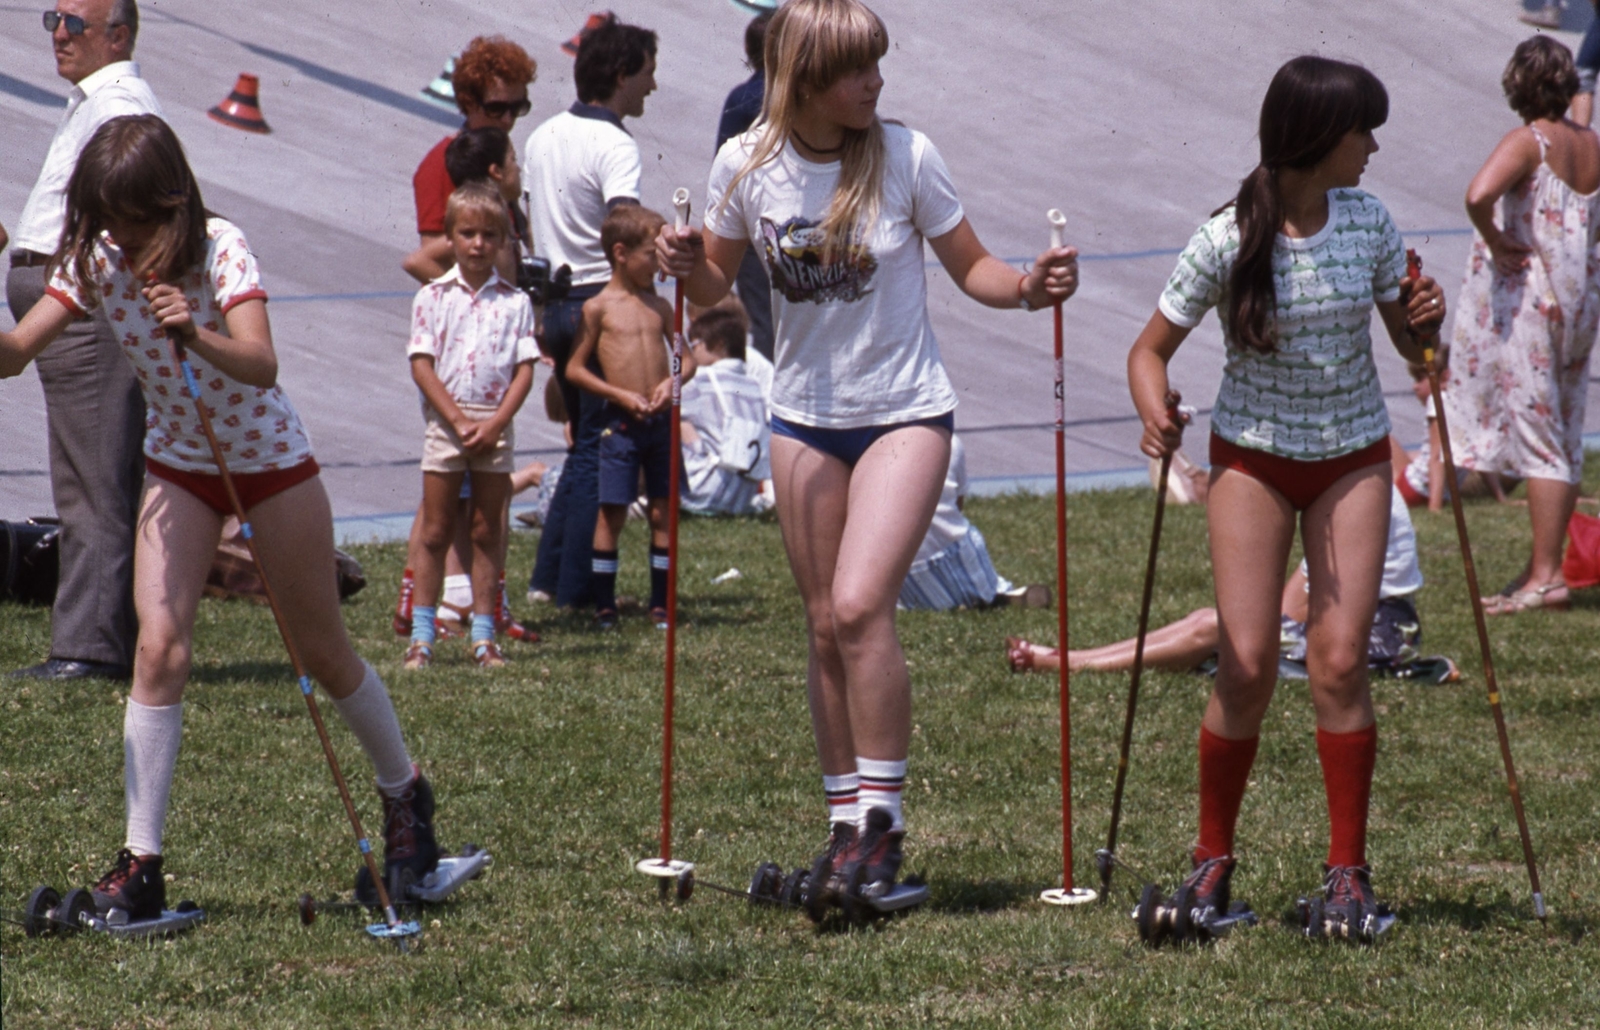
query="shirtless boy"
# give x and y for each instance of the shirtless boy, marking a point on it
(624, 331)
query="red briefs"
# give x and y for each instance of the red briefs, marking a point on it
(253, 487)
(1299, 482)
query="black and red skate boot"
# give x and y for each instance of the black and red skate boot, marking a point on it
(868, 872)
(1347, 908)
(134, 885)
(1204, 906)
(817, 890)
(410, 851)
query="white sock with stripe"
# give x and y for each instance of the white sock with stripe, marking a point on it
(842, 794)
(881, 784)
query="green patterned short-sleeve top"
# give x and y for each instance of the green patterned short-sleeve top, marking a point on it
(1316, 395)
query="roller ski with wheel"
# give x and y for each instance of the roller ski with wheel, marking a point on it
(414, 871)
(1345, 909)
(855, 875)
(1200, 910)
(129, 901)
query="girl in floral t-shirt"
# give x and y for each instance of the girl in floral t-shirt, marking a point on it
(139, 241)
(1294, 267)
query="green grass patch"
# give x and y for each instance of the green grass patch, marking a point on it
(553, 765)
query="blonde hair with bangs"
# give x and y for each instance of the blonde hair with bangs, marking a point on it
(812, 44)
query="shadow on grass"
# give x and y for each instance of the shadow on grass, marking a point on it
(230, 673)
(955, 895)
(1472, 914)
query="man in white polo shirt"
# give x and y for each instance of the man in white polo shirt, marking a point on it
(576, 167)
(96, 415)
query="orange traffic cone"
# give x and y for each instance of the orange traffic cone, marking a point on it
(242, 108)
(594, 22)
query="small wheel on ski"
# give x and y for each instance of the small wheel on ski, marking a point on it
(186, 906)
(1147, 916)
(1311, 918)
(76, 908)
(793, 890)
(41, 911)
(1183, 927)
(684, 884)
(765, 883)
(815, 893)
(400, 881)
(852, 899)
(308, 909)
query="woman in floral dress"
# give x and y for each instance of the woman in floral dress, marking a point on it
(1529, 309)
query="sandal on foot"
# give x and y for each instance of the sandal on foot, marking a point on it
(488, 655)
(659, 617)
(606, 618)
(418, 656)
(1553, 596)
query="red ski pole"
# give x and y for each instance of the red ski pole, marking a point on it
(664, 867)
(1066, 894)
(1413, 270)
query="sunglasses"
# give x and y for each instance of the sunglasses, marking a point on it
(76, 26)
(500, 108)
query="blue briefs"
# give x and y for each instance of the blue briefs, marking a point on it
(848, 445)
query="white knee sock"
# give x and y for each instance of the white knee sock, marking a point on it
(881, 783)
(841, 792)
(370, 716)
(150, 737)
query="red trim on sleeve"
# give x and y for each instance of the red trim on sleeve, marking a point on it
(66, 301)
(233, 302)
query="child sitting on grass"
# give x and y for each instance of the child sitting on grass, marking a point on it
(472, 352)
(625, 329)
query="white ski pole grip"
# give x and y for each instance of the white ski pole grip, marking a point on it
(680, 204)
(1058, 227)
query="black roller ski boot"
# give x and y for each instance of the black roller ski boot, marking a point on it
(1346, 909)
(866, 877)
(410, 851)
(1200, 910)
(816, 890)
(134, 886)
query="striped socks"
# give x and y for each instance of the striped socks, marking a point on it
(604, 580)
(881, 785)
(842, 794)
(659, 563)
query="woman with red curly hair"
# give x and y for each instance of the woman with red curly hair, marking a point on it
(491, 81)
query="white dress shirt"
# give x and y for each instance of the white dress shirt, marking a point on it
(114, 90)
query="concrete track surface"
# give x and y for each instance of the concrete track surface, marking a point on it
(1137, 119)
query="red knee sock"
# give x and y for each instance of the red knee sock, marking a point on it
(1224, 771)
(1347, 762)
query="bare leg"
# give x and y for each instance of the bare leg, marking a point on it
(176, 542)
(440, 491)
(1550, 506)
(1251, 528)
(1345, 534)
(294, 536)
(812, 497)
(893, 493)
(491, 495)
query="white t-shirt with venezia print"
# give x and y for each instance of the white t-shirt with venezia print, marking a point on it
(258, 429)
(1316, 395)
(853, 343)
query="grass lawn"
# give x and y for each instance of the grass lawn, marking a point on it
(553, 765)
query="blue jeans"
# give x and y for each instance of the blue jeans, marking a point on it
(566, 545)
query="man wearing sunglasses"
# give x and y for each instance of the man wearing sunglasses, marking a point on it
(96, 415)
(491, 86)
(577, 166)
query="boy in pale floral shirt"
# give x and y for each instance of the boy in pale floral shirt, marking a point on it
(472, 352)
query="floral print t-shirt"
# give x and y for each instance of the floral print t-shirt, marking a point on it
(257, 428)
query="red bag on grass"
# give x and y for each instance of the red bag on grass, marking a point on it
(1581, 568)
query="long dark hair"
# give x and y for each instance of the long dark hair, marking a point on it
(133, 169)
(1309, 107)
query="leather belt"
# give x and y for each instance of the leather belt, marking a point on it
(28, 259)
